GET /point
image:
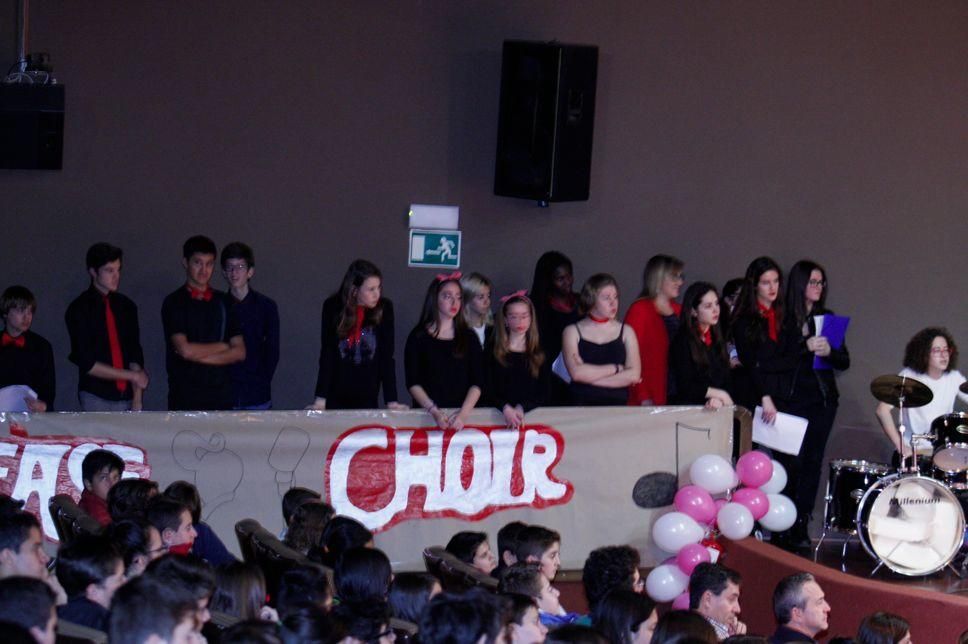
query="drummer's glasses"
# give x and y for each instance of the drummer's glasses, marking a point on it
(940, 351)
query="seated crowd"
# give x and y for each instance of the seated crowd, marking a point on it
(157, 573)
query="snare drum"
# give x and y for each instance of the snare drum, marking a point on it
(849, 480)
(951, 442)
(912, 524)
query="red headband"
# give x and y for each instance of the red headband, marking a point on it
(523, 294)
(441, 277)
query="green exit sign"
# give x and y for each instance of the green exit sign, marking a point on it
(434, 248)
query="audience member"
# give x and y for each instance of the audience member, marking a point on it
(575, 634)
(138, 542)
(609, 568)
(311, 625)
(883, 628)
(410, 592)
(540, 545)
(26, 358)
(507, 545)
(626, 617)
(129, 498)
(527, 579)
(341, 534)
(526, 626)
(475, 616)
(800, 609)
(240, 591)
(301, 586)
(105, 338)
(472, 548)
(307, 526)
(173, 520)
(683, 627)
(90, 570)
(145, 611)
(365, 623)
(101, 470)
(292, 499)
(207, 544)
(192, 576)
(29, 603)
(22, 547)
(714, 593)
(362, 576)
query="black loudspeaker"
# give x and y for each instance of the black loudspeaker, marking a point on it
(547, 114)
(31, 126)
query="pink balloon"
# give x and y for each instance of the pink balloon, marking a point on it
(695, 502)
(754, 468)
(754, 499)
(681, 602)
(691, 556)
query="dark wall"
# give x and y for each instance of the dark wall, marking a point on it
(723, 131)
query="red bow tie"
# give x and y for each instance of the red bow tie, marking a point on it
(196, 294)
(8, 339)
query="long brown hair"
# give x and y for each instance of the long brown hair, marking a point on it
(532, 347)
(689, 324)
(357, 273)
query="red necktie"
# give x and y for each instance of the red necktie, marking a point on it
(18, 342)
(116, 360)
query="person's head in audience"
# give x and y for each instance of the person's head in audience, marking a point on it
(16, 634)
(31, 604)
(472, 548)
(251, 631)
(883, 628)
(17, 308)
(343, 533)
(129, 498)
(575, 634)
(138, 542)
(100, 471)
(198, 257)
(526, 626)
(609, 568)
(311, 624)
(682, 627)
(90, 568)
(799, 604)
(507, 543)
(187, 494)
(193, 576)
(714, 593)
(146, 611)
(173, 520)
(362, 576)
(22, 546)
(527, 579)
(755, 639)
(303, 585)
(307, 525)
(541, 545)
(9, 504)
(365, 623)
(626, 617)
(294, 497)
(475, 616)
(409, 594)
(240, 590)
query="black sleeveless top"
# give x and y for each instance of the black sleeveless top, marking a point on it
(612, 352)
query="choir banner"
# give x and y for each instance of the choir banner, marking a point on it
(571, 469)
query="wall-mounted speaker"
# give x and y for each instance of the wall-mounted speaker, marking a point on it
(31, 126)
(546, 121)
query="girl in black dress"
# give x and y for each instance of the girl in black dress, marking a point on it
(518, 374)
(443, 359)
(476, 289)
(698, 359)
(356, 354)
(556, 306)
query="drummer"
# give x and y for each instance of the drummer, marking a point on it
(930, 357)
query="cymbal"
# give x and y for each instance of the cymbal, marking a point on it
(890, 388)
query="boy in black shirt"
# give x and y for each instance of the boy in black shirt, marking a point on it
(202, 335)
(25, 357)
(105, 338)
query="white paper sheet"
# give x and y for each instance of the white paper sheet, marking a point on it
(784, 435)
(559, 369)
(12, 397)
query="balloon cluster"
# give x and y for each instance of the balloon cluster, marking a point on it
(698, 516)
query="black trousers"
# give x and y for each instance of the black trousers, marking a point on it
(804, 469)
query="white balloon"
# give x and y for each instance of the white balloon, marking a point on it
(713, 473)
(781, 515)
(666, 582)
(735, 521)
(674, 530)
(777, 482)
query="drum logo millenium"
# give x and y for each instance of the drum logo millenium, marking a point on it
(906, 500)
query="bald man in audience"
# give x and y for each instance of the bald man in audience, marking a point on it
(800, 609)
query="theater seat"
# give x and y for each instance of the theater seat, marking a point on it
(403, 630)
(70, 520)
(270, 554)
(455, 576)
(69, 632)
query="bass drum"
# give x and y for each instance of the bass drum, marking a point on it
(912, 524)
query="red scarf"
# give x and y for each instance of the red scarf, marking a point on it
(196, 294)
(770, 315)
(566, 305)
(181, 549)
(354, 337)
(18, 342)
(707, 337)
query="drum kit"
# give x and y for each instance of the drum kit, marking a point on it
(909, 519)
